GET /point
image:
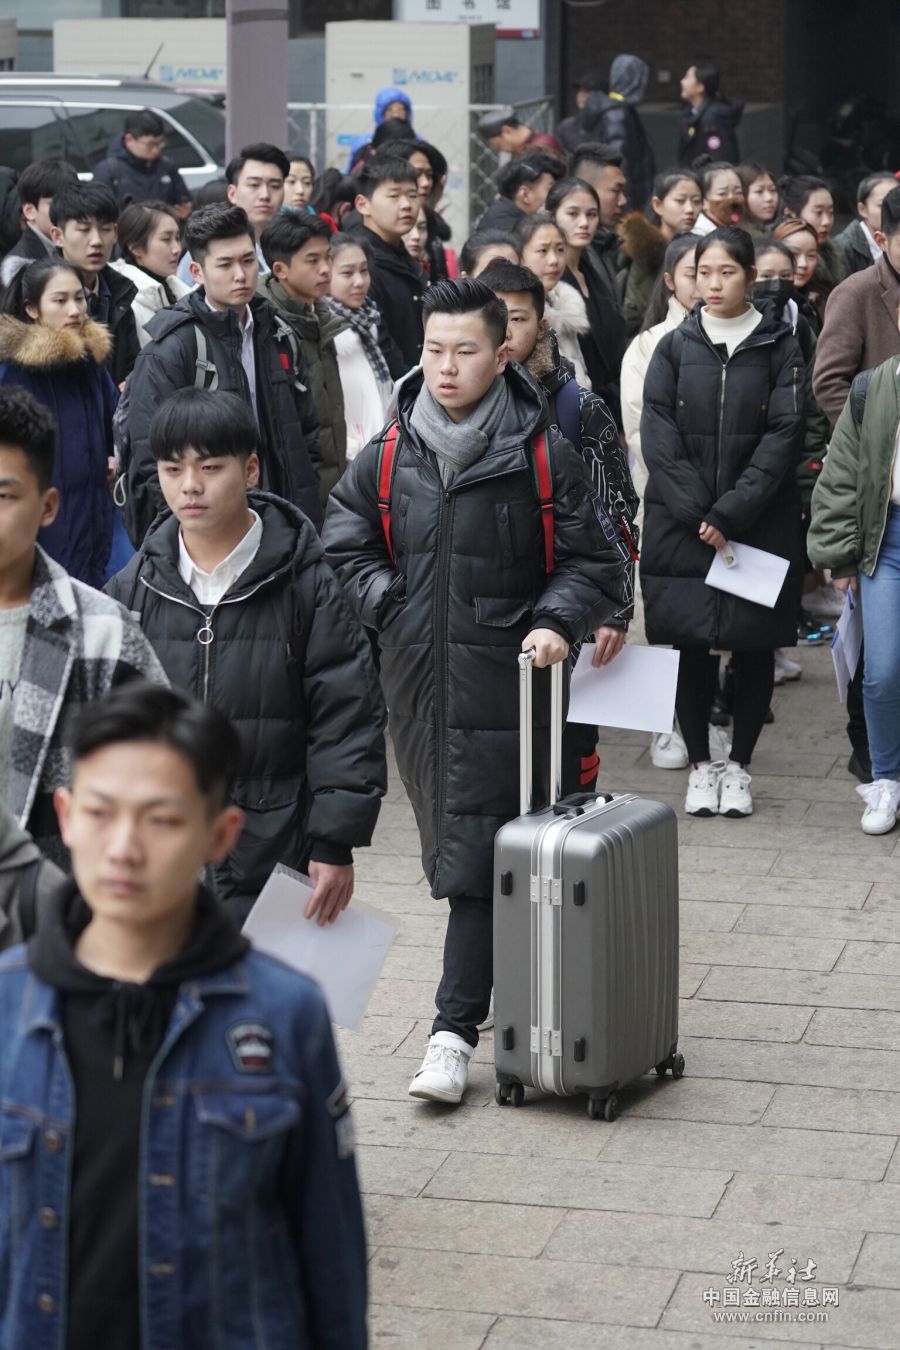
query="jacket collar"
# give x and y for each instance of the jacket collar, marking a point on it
(52, 594)
(37, 347)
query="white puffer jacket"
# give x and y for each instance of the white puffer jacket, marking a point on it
(634, 371)
(151, 295)
(566, 313)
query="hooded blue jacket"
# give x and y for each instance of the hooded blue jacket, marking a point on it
(383, 100)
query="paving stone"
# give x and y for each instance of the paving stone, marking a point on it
(510, 1132)
(690, 978)
(700, 1244)
(780, 893)
(460, 1225)
(873, 866)
(748, 949)
(812, 790)
(387, 1078)
(847, 1109)
(420, 930)
(813, 1065)
(400, 899)
(700, 916)
(420, 963)
(575, 1293)
(393, 868)
(743, 1021)
(403, 998)
(580, 1185)
(761, 830)
(864, 1317)
(892, 1175)
(396, 839)
(773, 762)
(871, 958)
(393, 1328)
(883, 896)
(520, 1333)
(852, 925)
(700, 858)
(692, 1098)
(829, 989)
(879, 1261)
(853, 1026)
(396, 1171)
(749, 1148)
(820, 1202)
(375, 1036)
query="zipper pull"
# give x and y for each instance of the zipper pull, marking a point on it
(205, 633)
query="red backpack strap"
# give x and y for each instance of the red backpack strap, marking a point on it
(387, 456)
(545, 496)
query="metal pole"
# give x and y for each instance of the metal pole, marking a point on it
(257, 57)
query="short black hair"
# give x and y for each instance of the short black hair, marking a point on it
(737, 243)
(468, 296)
(437, 160)
(289, 231)
(592, 82)
(526, 169)
(44, 178)
(211, 223)
(26, 425)
(144, 123)
(391, 130)
(383, 169)
(476, 244)
(514, 279)
(211, 193)
(867, 186)
(215, 425)
(599, 154)
(84, 202)
(708, 74)
(491, 124)
(890, 213)
(156, 715)
(264, 153)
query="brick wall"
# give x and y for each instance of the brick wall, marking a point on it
(745, 37)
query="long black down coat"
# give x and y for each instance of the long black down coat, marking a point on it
(469, 585)
(721, 437)
(290, 667)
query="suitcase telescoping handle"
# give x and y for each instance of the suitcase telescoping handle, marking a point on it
(526, 731)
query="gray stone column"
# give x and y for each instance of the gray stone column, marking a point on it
(257, 56)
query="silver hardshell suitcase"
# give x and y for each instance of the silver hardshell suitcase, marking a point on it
(585, 936)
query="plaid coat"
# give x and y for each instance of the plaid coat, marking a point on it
(78, 644)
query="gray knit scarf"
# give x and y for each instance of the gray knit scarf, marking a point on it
(459, 444)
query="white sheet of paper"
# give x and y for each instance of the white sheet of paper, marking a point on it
(754, 574)
(345, 956)
(636, 690)
(846, 645)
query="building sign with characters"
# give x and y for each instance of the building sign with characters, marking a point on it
(514, 18)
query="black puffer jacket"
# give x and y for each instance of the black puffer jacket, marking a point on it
(711, 130)
(288, 423)
(616, 122)
(721, 438)
(140, 180)
(290, 667)
(469, 585)
(398, 289)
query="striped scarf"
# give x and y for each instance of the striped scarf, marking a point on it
(365, 322)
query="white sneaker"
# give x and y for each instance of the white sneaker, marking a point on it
(668, 751)
(719, 743)
(826, 602)
(703, 790)
(488, 1022)
(445, 1069)
(734, 798)
(882, 799)
(785, 668)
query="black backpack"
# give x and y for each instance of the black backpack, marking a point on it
(10, 210)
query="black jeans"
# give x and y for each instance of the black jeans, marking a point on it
(464, 993)
(754, 680)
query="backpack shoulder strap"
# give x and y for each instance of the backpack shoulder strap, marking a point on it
(27, 898)
(543, 473)
(285, 332)
(387, 458)
(202, 364)
(859, 391)
(567, 403)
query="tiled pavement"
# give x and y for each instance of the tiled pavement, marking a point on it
(537, 1229)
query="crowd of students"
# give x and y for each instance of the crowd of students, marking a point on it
(290, 451)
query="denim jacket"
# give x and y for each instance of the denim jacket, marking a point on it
(251, 1226)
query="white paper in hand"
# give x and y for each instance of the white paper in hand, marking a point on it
(345, 956)
(636, 690)
(751, 574)
(846, 645)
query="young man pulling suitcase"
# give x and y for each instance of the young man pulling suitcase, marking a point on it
(466, 532)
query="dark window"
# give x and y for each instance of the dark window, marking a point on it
(96, 129)
(205, 123)
(34, 131)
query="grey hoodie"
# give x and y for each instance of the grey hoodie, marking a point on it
(628, 76)
(18, 852)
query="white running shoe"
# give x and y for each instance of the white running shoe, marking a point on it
(734, 798)
(488, 1023)
(882, 799)
(719, 743)
(703, 790)
(445, 1069)
(786, 669)
(826, 602)
(668, 750)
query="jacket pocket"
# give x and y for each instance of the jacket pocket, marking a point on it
(500, 612)
(239, 1144)
(17, 1132)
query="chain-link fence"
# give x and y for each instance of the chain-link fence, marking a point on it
(326, 133)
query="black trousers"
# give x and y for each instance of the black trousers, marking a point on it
(464, 993)
(754, 680)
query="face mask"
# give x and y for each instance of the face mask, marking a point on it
(777, 289)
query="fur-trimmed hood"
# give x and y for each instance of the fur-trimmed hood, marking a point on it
(37, 347)
(643, 242)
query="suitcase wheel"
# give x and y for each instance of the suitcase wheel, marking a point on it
(509, 1093)
(599, 1108)
(674, 1062)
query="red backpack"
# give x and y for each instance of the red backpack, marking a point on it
(387, 458)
